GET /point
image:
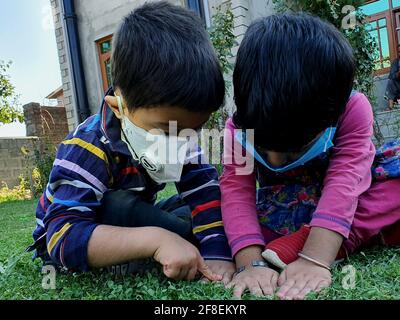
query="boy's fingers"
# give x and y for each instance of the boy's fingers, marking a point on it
(191, 274)
(205, 270)
(172, 273)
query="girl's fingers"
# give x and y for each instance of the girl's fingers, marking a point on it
(267, 287)
(205, 270)
(302, 294)
(274, 281)
(282, 278)
(310, 286)
(322, 285)
(298, 286)
(226, 278)
(254, 288)
(238, 290)
(285, 288)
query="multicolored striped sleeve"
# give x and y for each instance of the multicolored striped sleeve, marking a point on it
(199, 187)
(77, 182)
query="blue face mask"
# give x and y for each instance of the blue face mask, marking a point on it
(324, 143)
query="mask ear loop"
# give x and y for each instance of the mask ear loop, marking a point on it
(121, 111)
(120, 107)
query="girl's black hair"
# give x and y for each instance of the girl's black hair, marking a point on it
(293, 77)
(162, 56)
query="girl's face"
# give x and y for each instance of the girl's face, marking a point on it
(279, 159)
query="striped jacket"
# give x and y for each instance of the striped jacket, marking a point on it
(94, 159)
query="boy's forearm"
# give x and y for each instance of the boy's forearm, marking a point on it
(323, 244)
(111, 245)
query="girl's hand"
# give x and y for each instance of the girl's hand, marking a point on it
(302, 277)
(225, 269)
(259, 280)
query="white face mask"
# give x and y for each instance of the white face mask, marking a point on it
(163, 157)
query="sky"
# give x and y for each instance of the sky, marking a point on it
(27, 39)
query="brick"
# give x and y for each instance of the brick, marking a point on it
(240, 30)
(63, 59)
(240, 11)
(54, 4)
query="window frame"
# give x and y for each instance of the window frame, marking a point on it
(103, 57)
(390, 26)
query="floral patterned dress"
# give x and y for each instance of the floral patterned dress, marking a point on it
(285, 201)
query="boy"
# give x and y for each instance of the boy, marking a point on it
(99, 209)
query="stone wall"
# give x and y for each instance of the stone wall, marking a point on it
(45, 127)
(13, 160)
(389, 123)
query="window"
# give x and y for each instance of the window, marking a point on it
(201, 8)
(384, 27)
(104, 51)
(379, 31)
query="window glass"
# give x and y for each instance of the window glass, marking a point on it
(375, 7)
(107, 65)
(105, 47)
(381, 37)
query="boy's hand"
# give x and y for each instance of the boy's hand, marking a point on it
(225, 269)
(181, 260)
(302, 277)
(260, 282)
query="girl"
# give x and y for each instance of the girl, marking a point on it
(318, 199)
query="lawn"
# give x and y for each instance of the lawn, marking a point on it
(377, 272)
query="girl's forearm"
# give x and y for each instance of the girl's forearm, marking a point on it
(245, 256)
(111, 245)
(323, 245)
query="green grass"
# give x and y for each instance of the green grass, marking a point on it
(377, 272)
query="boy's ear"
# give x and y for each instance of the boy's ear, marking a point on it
(113, 103)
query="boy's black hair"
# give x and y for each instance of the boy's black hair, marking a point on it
(162, 56)
(293, 77)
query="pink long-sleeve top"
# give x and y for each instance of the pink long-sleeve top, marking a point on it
(348, 176)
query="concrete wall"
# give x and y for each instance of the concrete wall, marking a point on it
(12, 159)
(379, 92)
